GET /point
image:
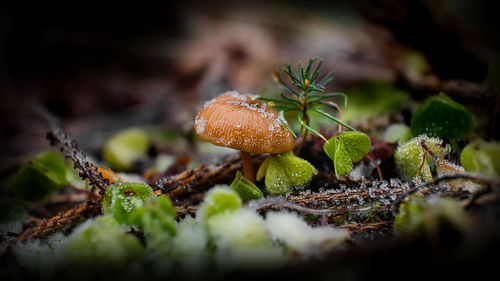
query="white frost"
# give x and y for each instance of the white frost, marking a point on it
(199, 125)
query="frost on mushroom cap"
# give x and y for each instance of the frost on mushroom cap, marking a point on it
(240, 122)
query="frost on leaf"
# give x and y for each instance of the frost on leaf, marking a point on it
(284, 172)
(218, 200)
(409, 157)
(444, 167)
(121, 199)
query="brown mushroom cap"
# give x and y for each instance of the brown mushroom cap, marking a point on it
(240, 122)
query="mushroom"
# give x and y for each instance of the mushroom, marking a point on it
(243, 123)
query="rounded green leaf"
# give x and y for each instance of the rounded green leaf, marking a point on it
(121, 199)
(101, 243)
(345, 149)
(32, 184)
(286, 171)
(218, 200)
(261, 173)
(397, 133)
(277, 181)
(440, 116)
(481, 157)
(357, 144)
(298, 170)
(52, 163)
(245, 188)
(157, 215)
(409, 156)
(126, 147)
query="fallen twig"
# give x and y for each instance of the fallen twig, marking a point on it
(69, 147)
(489, 182)
(202, 178)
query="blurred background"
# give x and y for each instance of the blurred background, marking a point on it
(104, 66)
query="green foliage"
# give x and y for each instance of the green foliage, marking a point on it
(409, 156)
(397, 133)
(284, 172)
(246, 189)
(374, 99)
(440, 116)
(101, 244)
(421, 215)
(126, 147)
(156, 215)
(32, 184)
(346, 148)
(219, 200)
(121, 199)
(44, 174)
(409, 218)
(482, 157)
(306, 95)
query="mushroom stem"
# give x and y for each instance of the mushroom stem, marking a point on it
(247, 166)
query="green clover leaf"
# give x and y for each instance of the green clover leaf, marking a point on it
(157, 215)
(245, 188)
(121, 199)
(482, 157)
(285, 171)
(126, 147)
(346, 148)
(409, 156)
(219, 200)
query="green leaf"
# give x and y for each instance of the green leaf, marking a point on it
(52, 163)
(374, 99)
(421, 215)
(245, 188)
(121, 199)
(346, 148)
(219, 200)
(397, 133)
(440, 116)
(126, 147)
(100, 245)
(277, 181)
(156, 215)
(409, 156)
(298, 170)
(286, 171)
(45, 173)
(261, 173)
(357, 144)
(482, 157)
(32, 184)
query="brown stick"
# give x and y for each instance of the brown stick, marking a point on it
(246, 163)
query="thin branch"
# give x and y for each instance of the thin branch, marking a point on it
(490, 182)
(69, 148)
(280, 203)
